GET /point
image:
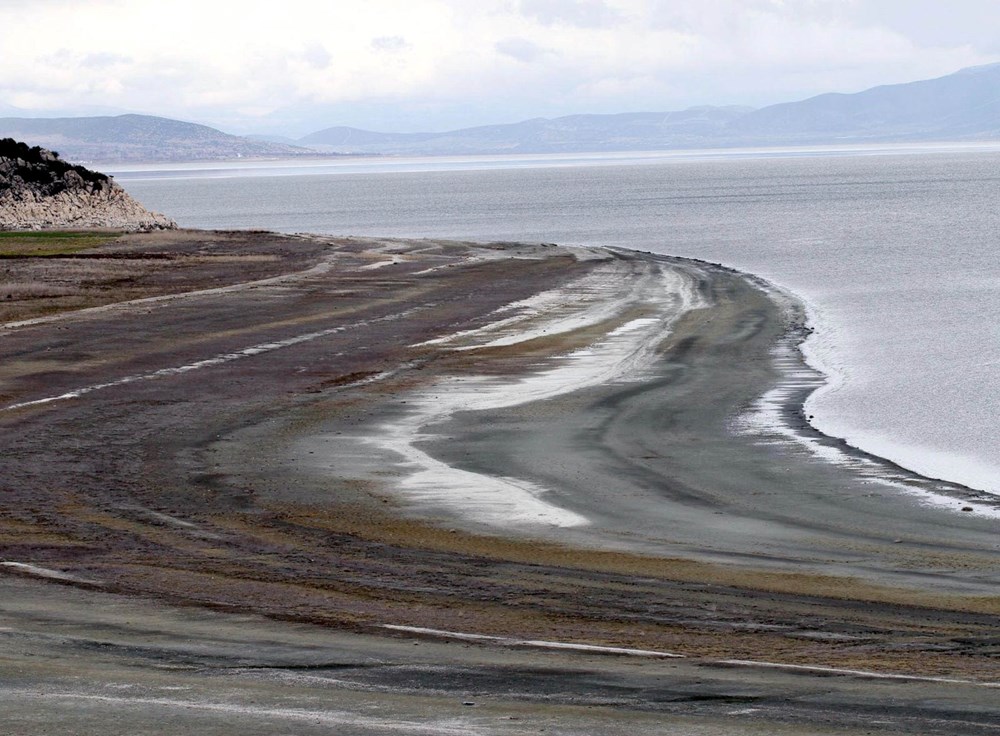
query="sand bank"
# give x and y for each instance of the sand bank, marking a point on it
(511, 443)
(661, 416)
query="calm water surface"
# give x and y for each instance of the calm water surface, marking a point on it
(898, 255)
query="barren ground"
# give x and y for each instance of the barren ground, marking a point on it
(166, 522)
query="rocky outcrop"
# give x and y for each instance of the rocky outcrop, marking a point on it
(39, 190)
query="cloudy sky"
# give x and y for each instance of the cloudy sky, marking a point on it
(404, 65)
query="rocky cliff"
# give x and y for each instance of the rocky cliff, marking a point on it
(40, 190)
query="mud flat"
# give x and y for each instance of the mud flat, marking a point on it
(269, 483)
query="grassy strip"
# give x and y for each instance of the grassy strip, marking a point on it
(51, 242)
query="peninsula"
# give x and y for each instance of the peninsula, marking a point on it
(267, 481)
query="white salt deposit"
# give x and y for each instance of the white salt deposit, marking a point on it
(534, 643)
(662, 294)
(45, 572)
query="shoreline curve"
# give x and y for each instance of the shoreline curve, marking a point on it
(242, 484)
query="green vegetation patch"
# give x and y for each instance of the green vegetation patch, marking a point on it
(47, 243)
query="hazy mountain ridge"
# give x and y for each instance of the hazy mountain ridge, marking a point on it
(539, 135)
(960, 106)
(138, 138)
(965, 104)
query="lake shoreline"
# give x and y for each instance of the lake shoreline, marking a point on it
(858, 236)
(214, 457)
(516, 441)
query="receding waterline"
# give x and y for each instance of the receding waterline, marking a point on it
(782, 416)
(895, 246)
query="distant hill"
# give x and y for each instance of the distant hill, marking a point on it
(137, 138)
(283, 139)
(354, 139)
(625, 131)
(963, 105)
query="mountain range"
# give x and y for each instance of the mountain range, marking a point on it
(960, 106)
(138, 138)
(622, 132)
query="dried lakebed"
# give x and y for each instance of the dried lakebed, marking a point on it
(239, 507)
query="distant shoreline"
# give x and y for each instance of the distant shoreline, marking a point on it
(124, 171)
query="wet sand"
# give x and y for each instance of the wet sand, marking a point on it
(81, 662)
(302, 451)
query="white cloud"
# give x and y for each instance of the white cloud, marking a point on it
(581, 13)
(317, 56)
(390, 43)
(521, 49)
(194, 59)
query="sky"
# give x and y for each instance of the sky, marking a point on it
(297, 66)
